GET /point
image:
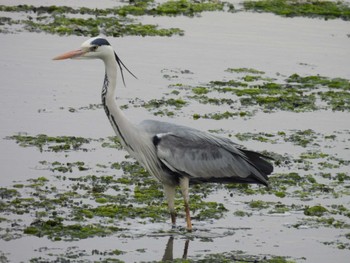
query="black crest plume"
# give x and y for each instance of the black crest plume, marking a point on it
(121, 65)
(104, 42)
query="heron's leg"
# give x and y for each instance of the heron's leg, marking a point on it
(169, 191)
(184, 185)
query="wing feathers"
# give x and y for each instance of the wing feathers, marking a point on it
(258, 160)
(206, 158)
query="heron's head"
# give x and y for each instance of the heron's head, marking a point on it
(92, 48)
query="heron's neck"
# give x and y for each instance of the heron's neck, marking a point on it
(136, 141)
(119, 122)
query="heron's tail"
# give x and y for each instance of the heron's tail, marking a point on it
(260, 163)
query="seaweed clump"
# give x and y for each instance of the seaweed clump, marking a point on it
(117, 21)
(308, 8)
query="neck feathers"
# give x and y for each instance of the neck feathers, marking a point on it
(114, 114)
(104, 94)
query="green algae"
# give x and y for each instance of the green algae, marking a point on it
(241, 257)
(302, 138)
(288, 179)
(200, 90)
(338, 244)
(261, 137)
(68, 167)
(157, 103)
(113, 22)
(123, 193)
(240, 213)
(222, 115)
(336, 100)
(46, 143)
(117, 21)
(204, 210)
(280, 208)
(135, 8)
(313, 155)
(339, 210)
(6, 193)
(216, 115)
(316, 210)
(258, 204)
(250, 78)
(341, 177)
(187, 8)
(213, 101)
(135, 190)
(91, 27)
(321, 221)
(244, 70)
(49, 143)
(317, 81)
(138, 197)
(154, 213)
(56, 230)
(250, 94)
(309, 186)
(165, 106)
(111, 142)
(271, 96)
(309, 8)
(226, 86)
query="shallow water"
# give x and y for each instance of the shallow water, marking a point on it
(38, 92)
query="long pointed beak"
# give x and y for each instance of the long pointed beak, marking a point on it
(70, 54)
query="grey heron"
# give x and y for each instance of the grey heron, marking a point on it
(176, 155)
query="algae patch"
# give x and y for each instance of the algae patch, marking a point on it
(80, 200)
(251, 91)
(117, 21)
(316, 210)
(61, 143)
(308, 8)
(45, 143)
(54, 229)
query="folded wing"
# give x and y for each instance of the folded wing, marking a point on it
(207, 158)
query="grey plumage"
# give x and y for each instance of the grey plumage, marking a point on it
(204, 157)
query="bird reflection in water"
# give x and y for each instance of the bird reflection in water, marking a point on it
(168, 253)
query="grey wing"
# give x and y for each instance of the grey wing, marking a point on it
(206, 158)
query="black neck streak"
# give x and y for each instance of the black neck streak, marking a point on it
(104, 94)
(109, 115)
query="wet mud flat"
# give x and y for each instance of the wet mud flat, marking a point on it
(69, 193)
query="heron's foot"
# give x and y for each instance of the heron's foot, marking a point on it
(173, 226)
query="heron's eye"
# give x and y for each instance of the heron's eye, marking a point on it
(93, 48)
